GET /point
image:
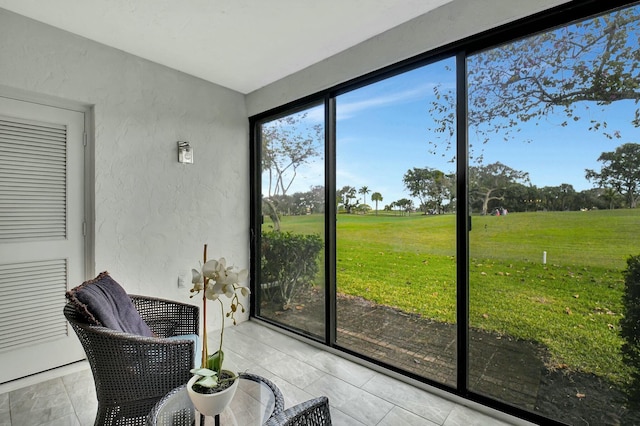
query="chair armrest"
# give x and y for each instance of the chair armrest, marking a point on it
(313, 412)
(167, 318)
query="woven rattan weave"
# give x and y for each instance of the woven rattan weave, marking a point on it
(314, 412)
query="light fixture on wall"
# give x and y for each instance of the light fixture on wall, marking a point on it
(185, 153)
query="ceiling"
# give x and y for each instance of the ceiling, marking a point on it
(240, 44)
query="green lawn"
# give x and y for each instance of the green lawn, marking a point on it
(572, 304)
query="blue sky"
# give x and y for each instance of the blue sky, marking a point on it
(383, 131)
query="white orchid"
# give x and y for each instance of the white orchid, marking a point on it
(215, 279)
(219, 279)
(197, 280)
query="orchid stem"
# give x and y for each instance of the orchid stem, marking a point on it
(221, 337)
(205, 351)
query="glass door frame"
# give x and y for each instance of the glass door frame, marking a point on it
(546, 20)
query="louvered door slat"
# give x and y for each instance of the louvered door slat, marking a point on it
(31, 302)
(33, 180)
(41, 159)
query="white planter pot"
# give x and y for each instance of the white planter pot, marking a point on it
(213, 403)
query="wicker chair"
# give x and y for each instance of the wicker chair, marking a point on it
(314, 412)
(131, 373)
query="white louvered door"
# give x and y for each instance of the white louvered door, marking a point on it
(41, 234)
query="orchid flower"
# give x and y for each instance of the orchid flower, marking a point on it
(216, 279)
(197, 280)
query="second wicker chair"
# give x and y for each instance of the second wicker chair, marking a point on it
(314, 412)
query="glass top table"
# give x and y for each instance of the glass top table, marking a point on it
(256, 399)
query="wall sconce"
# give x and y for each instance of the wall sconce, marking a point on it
(185, 153)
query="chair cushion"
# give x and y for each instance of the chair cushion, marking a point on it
(197, 353)
(102, 301)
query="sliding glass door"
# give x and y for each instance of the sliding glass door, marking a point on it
(555, 160)
(469, 219)
(395, 226)
(291, 252)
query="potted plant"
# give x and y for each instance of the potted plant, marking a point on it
(212, 388)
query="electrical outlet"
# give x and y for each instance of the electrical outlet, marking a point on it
(181, 279)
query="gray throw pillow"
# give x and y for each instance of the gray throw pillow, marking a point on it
(102, 301)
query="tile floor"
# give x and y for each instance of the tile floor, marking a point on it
(357, 395)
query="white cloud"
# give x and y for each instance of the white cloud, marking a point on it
(350, 109)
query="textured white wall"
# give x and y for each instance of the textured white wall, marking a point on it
(152, 214)
(451, 22)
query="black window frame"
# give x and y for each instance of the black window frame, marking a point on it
(460, 50)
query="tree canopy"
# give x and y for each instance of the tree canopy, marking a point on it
(492, 181)
(428, 185)
(345, 196)
(620, 171)
(593, 62)
(287, 143)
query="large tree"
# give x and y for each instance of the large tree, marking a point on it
(520, 198)
(405, 205)
(491, 182)
(287, 143)
(620, 171)
(315, 197)
(592, 63)
(429, 185)
(557, 198)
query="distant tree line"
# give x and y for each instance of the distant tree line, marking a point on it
(496, 185)
(491, 187)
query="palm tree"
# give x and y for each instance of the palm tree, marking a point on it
(364, 191)
(376, 196)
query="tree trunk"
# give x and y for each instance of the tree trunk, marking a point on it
(273, 214)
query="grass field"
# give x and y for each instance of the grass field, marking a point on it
(571, 304)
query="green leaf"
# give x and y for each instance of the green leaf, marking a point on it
(215, 361)
(204, 372)
(208, 382)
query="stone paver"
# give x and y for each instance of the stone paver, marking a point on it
(501, 367)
